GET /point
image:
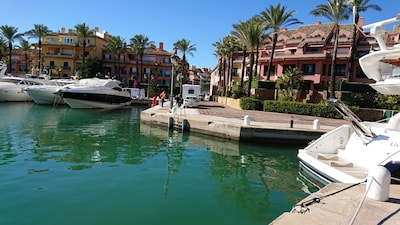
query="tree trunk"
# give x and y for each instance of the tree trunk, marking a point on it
(10, 56)
(231, 77)
(257, 56)
(220, 74)
(353, 48)
(250, 73)
(272, 54)
(137, 69)
(243, 68)
(333, 67)
(40, 55)
(224, 75)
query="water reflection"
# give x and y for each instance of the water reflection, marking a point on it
(248, 175)
(112, 150)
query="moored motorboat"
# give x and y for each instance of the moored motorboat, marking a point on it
(48, 94)
(12, 89)
(348, 153)
(95, 93)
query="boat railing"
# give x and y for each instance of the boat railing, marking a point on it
(359, 127)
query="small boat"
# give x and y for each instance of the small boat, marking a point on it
(347, 153)
(12, 89)
(48, 94)
(95, 93)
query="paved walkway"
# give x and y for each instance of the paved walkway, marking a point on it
(219, 120)
(220, 110)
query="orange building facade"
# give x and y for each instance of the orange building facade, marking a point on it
(62, 56)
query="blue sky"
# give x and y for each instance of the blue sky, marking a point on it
(202, 22)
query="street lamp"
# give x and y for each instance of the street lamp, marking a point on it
(173, 61)
(149, 77)
(179, 78)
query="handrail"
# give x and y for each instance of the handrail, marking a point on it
(360, 128)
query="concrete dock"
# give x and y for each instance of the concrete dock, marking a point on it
(333, 206)
(222, 121)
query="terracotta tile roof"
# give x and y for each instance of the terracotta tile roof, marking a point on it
(313, 34)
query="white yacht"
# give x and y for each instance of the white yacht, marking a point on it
(347, 153)
(48, 94)
(95, 93)
(12, 89)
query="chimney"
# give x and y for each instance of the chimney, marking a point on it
(318, 22)
(361, 22)
(161, 46)
(96, 29)
(63, 30)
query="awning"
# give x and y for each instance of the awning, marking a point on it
(316, 46)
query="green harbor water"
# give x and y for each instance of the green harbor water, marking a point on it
(68, 166)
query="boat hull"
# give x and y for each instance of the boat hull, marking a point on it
(89, 104)
(14, 94)
(45, 96)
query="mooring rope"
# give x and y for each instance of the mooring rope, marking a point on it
(303, 208)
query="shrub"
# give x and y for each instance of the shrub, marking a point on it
(319, 110)
(249, 104)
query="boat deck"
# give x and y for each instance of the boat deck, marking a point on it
(340, 164)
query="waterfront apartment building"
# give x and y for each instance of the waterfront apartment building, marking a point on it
(309, 48)
(62, 56)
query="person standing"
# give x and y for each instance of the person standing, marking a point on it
(163, 96)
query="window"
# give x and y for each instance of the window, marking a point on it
(340, 70)
(272, 72)
(285, 67)
(66, 66)
(133, 71)
(149, 59)
(309, 69)
(167, 73)
(69, 40)
(235, 72)
(67, 52)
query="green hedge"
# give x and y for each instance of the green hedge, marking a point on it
(319, 110)
(250, 104)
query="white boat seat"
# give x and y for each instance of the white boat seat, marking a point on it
(332, 157)
(341, 164)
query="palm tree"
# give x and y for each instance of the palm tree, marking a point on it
(335, 11)
(25, 47)
(360, 6)
(239, 33)
(3, 47)
(231, 45)
(221, 54)
(138, 44)
(290, 79)
(249, 34)
(115, 46)
(135, 49)
(184, 47)
(39, 32)
(11, 34)
(83, 32)
(277, 17)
